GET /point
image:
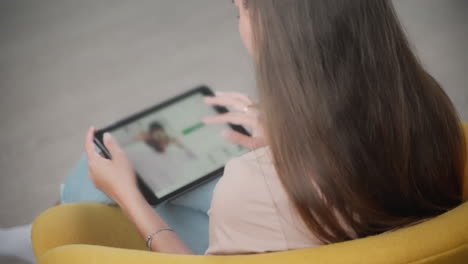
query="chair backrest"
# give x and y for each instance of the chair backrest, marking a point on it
(465, 180)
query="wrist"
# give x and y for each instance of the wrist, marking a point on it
(129, 197)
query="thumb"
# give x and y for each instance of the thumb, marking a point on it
(247, 142)
(112, 146)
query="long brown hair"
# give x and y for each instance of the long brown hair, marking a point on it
(362, 137)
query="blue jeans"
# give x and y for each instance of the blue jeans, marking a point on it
(187, 214)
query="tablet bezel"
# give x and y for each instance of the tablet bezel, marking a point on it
(149, 195)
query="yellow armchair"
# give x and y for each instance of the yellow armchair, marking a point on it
(93, 233)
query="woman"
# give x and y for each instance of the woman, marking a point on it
(358, 138)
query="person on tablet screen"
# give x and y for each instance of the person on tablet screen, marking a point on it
(352, 137)
(159, 156)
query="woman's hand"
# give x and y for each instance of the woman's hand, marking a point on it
(246, 116)
(116, 177)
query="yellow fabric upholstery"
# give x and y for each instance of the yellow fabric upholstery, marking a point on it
(93, 233)
(91, 224)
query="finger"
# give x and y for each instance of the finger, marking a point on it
(247, 142)
(112, 145)
(102, 154)
(236, 95)
(233, 118)
(226, 101)
(90, 149)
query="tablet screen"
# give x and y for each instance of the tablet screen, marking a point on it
(171, 148)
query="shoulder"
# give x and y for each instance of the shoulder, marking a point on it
(257, 163)
(259, 155)
(245, 175)
(242, 205)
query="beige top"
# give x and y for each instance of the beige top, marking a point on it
(250, 211)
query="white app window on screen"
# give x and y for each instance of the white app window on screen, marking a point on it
(194, 149)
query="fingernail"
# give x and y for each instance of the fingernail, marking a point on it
(225, 133)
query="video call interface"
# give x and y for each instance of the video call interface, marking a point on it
(172, 147)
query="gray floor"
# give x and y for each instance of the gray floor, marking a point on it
(65, 65)
(12, 260)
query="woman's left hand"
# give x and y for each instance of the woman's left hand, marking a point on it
(116, 177)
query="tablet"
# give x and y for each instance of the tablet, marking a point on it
(170, 148)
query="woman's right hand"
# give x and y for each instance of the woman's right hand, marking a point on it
(247, 115)
(115, 177)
